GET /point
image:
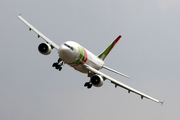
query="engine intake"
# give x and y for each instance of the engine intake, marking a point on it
(97, 80)
(44, 48)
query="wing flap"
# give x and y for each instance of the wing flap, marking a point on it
(117, 83)
(39, 33)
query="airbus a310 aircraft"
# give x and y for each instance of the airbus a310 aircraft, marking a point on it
(81, 59)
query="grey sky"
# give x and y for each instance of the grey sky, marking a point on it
(148, 52)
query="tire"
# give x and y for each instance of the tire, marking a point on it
(54, 64)
(57, 67)
(86, 84)
(89, 86)
(60, 68)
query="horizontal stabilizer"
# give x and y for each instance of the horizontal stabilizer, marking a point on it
(116, 72)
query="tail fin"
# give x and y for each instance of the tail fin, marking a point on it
(103, 55)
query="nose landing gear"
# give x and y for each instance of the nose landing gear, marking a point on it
(58, 64)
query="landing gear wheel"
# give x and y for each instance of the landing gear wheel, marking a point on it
(88, 85)
(58, 65)
(54, 64)
(60, 68)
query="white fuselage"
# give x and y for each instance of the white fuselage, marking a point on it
(75, 55)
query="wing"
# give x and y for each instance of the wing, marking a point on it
(117, 83)
(39, 33)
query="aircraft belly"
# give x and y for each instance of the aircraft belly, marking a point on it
(80, 68)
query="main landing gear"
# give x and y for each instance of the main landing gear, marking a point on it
(88, 85)
(58, 65)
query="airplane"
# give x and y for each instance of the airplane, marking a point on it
(82, 60)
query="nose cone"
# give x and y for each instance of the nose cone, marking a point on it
(66, 54)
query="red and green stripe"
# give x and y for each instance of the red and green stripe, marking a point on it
(103, 55)
(82, 57)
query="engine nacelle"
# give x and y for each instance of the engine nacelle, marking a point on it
(96, 80)
(44, 48)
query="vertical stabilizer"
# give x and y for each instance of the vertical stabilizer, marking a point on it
(103, 55)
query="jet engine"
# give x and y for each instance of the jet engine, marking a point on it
(44, 48)
(96, 80)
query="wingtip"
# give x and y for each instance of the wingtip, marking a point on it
(128, 77)
(19, 14)
(161, 102)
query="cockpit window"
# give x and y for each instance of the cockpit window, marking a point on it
(69, 46)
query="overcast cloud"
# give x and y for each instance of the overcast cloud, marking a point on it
(30, 89)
